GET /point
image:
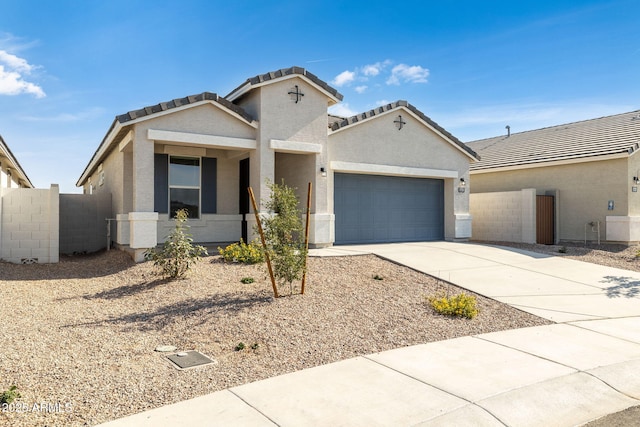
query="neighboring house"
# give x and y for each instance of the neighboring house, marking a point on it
(11, 173)
(590, 168)
(390, 174)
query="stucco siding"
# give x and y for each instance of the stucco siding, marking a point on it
(585, 190)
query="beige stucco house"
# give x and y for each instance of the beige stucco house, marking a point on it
(591, 168)
(390, 174)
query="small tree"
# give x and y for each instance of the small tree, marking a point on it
(178, 253)
(284, 234)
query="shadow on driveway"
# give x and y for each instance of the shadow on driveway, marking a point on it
(627, 287)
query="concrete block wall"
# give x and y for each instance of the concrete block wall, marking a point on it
(83, 225)
(29, 229)
(508, 216)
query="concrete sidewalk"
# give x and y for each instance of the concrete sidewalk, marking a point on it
(557, 375)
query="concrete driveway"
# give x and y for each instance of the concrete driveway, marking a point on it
(564, 374)
(552, 287)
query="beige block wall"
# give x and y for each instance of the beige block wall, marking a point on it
(30, 225)
(508, 216)
(584, 189)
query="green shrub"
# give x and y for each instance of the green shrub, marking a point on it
(10, 395)
(284, 234)
(378, 277)
(240, 346)
(563, 250)
(462, 305)
(241, 252)
(247, 280)
(178, 253)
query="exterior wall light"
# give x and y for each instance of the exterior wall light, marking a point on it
(636, 180)
(462, 186)
(323, 171)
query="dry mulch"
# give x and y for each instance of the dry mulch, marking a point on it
(78, 337)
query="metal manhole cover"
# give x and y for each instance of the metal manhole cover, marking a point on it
(189, 359)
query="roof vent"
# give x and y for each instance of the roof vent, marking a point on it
(636, 117)
(508, 128)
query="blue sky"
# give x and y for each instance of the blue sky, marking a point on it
(67, 68)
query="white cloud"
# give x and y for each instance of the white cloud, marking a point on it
(361, 89)
(408, 74)
(344, 78)
(12, 74)
(342, 110)
(373, 70)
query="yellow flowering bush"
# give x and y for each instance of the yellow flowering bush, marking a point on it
(462, 305)
(242, 252)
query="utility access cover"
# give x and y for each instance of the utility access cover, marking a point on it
(189, 359)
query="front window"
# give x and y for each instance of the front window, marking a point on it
(184, 185)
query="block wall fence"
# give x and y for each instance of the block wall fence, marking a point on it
(508, 216)
(29, 225)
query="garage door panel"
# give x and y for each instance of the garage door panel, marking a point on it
(372, 209)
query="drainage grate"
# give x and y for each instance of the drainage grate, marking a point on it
(189, 359)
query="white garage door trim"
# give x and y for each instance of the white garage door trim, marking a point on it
(376, 169)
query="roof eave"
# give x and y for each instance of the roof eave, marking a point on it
(559, 162)
(9, 155)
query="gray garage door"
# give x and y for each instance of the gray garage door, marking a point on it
(378, 209)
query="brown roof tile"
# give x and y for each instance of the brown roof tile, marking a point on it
(179, 102)
(274, 75)
(617, 134)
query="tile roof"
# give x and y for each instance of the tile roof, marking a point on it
(274, 75)
(6, 152)
(179, 102)
(618, 134)
(339, 124)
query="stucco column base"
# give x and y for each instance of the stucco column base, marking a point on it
(143, 233)
(624, 229)
(322, 230)
(463, 227)
(122, 229)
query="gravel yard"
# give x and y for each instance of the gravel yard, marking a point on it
(78, 337)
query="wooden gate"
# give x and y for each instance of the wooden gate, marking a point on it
(545, 220)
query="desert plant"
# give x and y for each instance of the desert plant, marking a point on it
(178, 253)
(240, 346)
(284, 234)
(462, 305)
(378, 277)
(254, 346)
(562, 250)
(247, 280)
(10, 395)
(250, 253)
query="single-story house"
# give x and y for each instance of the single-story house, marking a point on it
(389, 174)
(590, 170)
(11, 173)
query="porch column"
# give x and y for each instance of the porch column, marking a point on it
(143, 221)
